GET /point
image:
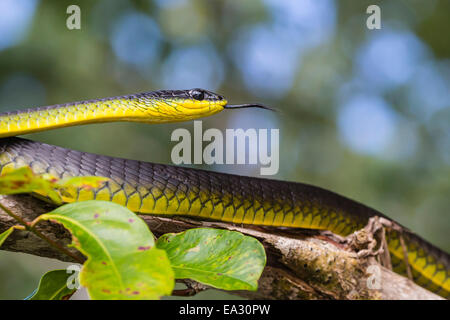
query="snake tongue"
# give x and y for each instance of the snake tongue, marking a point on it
(249, 105)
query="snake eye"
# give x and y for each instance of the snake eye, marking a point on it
(197, 94)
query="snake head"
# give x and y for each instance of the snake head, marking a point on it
(205, 95)
(183, 105)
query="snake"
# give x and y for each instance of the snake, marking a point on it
(159, 189)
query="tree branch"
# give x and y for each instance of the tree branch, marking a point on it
(301, 264)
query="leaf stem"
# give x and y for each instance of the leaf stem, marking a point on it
(40, 235)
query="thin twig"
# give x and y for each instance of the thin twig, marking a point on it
(385, 256)
(405, 256)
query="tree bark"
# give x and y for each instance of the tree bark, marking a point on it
(301, 264)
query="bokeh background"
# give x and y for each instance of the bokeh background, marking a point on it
(365, 113)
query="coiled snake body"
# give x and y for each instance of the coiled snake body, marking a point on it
(149, 188)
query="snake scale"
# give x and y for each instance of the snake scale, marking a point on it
(149, 188)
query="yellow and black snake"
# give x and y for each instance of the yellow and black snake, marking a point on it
(149, 188)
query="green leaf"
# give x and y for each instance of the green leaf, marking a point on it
(223, 259)
(53, 286)
(68, 187)
(5, 235)
(122, 260)
(23, 180)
